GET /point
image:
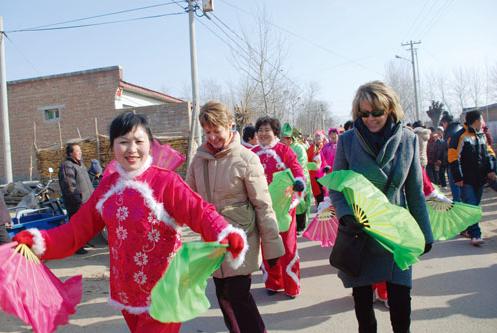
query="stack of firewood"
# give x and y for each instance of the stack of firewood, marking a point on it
(97, 149)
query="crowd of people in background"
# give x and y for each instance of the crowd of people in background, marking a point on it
(226, 195)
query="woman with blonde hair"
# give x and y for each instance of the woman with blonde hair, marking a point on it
(231, 177)
(385, 152)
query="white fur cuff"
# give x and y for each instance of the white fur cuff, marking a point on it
(130, 309)
(39, 247)
(235, 263)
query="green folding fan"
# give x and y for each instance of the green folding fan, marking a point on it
(391, 225)
(449, 219)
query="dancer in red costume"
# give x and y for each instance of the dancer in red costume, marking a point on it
(142, 207)
(275, 157)
(314, 155)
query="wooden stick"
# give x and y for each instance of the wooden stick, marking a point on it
(98, 139)
(60, 136)
(31, 166)
(34, 132)
(79, 133)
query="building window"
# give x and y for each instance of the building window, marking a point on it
(51, 113)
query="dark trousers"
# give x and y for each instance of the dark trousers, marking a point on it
(301, 218)
(4, 237)
(441, 176)
(432, 173)
(399, 301)
(238, 306)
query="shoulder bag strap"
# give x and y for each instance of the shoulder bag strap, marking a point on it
(206, 181)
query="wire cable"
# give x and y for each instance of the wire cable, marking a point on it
(102, 15)
(317, 45)
(251, 49)
(96, 24)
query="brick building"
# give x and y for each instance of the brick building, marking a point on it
(78, 103)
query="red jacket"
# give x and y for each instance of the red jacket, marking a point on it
(278, 157)
(142, 212)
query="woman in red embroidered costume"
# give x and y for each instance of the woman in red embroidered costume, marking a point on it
(275, 157)
(142, 207)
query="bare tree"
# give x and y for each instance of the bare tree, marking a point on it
(436, 89)
(398, 76)
(460, 87)
(492, 81)
(476, 86)
(313, 114)
(261, 60)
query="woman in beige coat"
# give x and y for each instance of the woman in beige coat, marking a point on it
(232, 178)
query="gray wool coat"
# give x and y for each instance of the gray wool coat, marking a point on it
(400, 152)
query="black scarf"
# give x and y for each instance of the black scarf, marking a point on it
(377, 140)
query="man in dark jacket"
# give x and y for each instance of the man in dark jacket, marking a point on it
(472, 163)
(450, 129)
(441, 152)
(75, 183)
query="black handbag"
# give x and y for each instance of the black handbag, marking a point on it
(346, 254)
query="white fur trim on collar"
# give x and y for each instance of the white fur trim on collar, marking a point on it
(39, 247)
(131, 309)
(132, 174)
(148, 195)
(271, 144)
(271, 152)
(235, 263)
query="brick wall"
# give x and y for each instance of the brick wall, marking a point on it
(84, 96)
(171, 119)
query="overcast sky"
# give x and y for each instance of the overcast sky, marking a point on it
(338, 44)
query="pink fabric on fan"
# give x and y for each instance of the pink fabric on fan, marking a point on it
(166, 157)
(31, 292)
(163, 156)
(323, 227)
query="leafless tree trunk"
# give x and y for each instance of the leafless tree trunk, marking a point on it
(476, 86)
(460, 87)
(398, 76)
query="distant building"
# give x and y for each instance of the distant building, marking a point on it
(75, 102)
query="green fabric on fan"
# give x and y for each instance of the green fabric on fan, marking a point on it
(341, 179)
(312, 166)
(391, 225)
(281, 191)
(449, 219)
(180, 294)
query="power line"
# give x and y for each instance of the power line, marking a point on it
(437, 16)
(94, 24)
(18, 49)
(250, 48)
(102, 15)
(414, 23)
(317, 45)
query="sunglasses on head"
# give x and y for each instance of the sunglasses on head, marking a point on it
(375, 113)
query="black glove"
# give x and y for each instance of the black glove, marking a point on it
(272, 262)
(298, 186)
(327, 169)
(427, 248)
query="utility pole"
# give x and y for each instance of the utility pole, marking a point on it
(195, 138)
(7, 157)
(413, 63)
